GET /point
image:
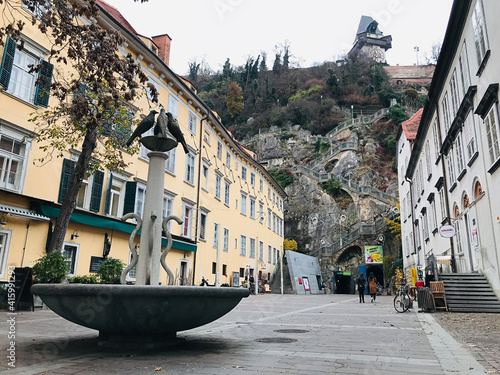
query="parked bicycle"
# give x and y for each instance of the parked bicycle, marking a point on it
(402, 300)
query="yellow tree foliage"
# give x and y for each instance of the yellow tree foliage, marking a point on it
(289, 245)
(395, 223)
(234, 101)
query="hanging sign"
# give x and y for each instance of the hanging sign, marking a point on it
(447, 231)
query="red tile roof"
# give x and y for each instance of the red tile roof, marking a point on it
(410, 127)
(113, 12)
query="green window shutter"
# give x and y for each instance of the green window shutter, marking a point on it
(107, 204)
(7, 62)
(130, 190)
(95, 199)
(43, 86)
(67, 170)
(80, 91)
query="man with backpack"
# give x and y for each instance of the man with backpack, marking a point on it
(361, 287)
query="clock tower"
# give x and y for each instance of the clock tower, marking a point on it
(370, 40)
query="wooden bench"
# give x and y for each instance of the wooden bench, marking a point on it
(437, 292)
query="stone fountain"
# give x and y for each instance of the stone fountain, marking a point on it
(146, 312)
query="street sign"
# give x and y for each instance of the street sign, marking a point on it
(447, 231)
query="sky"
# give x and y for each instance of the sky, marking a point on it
(316, 30)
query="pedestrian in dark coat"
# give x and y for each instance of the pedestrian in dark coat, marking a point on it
(372, 286)
(361, 287)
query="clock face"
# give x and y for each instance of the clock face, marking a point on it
(377, 54)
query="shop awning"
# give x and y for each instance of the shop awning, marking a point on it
(22, 212)
(102, 222)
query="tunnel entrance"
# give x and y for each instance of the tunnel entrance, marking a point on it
(378, 272)
(343, 282)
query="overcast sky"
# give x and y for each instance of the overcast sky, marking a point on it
(317, 30)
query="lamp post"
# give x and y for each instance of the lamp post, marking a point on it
(352, 113)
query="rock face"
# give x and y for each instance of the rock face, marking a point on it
(312, 216)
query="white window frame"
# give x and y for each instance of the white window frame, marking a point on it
(170, 162)
(117, 190)
(74, 271)
(218, 182)
(479, 30)
(5, 237)
(252, 208)
(261, 251)
(173, 105)
(269, 252)
(225, 240)
(243, 173)
(219, 150)
(190, 168)
(227, 192)
(192, 120)
(269, 214)
(243, 206)
(187, 216)
(139, 203)
(205, 172)
(251, 245)
(23, 139)
(491, 123)
(215, 240)
(243, 245)
(261, 185)
(252, 178)
(203, 225)
(228, 159)
(168, 208)
(132, 274)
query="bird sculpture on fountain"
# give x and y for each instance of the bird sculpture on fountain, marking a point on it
(145, 124)
(161, 128)
(175, 130)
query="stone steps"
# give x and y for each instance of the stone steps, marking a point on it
(469, 293)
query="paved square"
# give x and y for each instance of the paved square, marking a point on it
(265, 334)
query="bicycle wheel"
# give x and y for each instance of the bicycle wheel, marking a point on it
(401, 303)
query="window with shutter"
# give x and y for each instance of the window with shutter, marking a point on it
(67, 170)
(95, 199)
(130, 192)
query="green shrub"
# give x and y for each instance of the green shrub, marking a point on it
(51, 268)
(284, 177)
(332, 187)
(92, 279)
(110, 270)
(397, 114)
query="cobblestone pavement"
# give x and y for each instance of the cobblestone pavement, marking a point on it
(479, 333)
(264, 334)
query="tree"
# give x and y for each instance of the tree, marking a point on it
(91, 87)
(234, 101)
(394, 223)
(194, 68)
(289, 245)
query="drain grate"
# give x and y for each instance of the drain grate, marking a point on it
(291, 330)
(276, 340)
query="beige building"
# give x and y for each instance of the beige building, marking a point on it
(231, 207)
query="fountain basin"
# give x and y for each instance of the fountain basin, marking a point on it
(139, 310)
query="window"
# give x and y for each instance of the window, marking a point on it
(432, 216)
(451, 170)
(70, 253)
(492, 135)
(204, 172)
(39, 8)
(269, 193)
(115, 196)
(173, 105)
(460, 154)
(252, 178)
(261, 210)
(228, 159)
(269, 218)
(243, 208)
(252, 248)
(206, 136)
(455, 98)
(218, 181)
(274, 222)
(87, 198)
(243, 245)
(15, 74)
(463, 62)
(168, 207)
(225, 240)
(274, 255)
(131, 276)
(261, 185)
(219, 150)
(214, 268)
(269, 251)
(192, 122)
(224, 269)
(470, 136)
(170, 162)
(252, 208)
(425, 226)
(435, 133)
(227, 186)
(442, 204)
(190, 169)
(215, 244)
(458, 238)
(203, 226)
(446, 112)
(261, 251)
(186, 225)
(14, 152)
(479, 32)
(428, 159)
(243, 173)
(140, 198)
(5, 236)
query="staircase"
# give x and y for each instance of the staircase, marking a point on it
(469, 292)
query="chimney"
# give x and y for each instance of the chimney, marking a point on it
(163, 42)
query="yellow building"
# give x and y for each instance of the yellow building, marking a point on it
(231, 207)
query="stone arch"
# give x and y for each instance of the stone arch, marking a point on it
(350, 256)
(456, 210)
(330, 164)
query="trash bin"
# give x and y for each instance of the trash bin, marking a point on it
(424, 300)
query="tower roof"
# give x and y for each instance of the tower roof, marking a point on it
(368, 25)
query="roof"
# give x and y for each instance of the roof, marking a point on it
(410, 127)
(364, 26)
(113, 12)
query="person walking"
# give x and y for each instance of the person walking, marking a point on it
(361, 287)
(372, 286)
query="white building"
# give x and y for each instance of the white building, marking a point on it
(455, 159)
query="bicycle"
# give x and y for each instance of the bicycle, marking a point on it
(402, 300)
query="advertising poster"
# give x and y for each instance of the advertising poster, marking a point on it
(373, 254)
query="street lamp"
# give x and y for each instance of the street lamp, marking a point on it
(352, 112)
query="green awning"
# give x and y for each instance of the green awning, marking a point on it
(102, 222)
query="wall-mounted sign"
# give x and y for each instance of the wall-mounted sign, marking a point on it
(305, 280)
(373, 254)
(447, 231)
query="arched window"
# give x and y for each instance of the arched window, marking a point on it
(457, 211)
(465, 201)
(478, 190)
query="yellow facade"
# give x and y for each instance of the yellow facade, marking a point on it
(221, 236)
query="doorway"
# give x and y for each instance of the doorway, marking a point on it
(183, 273)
